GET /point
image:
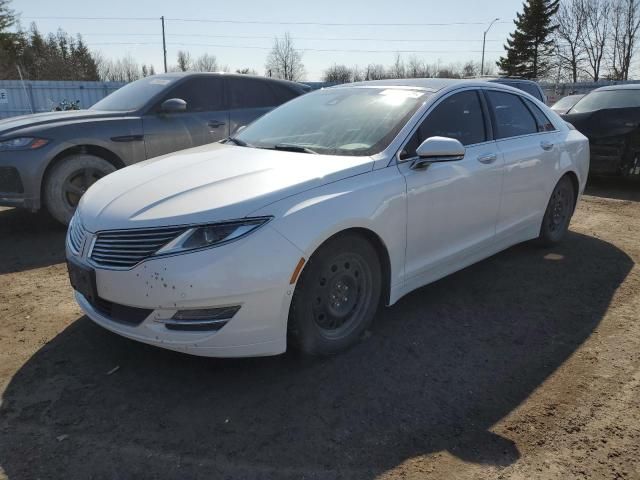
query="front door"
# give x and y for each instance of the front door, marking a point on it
(452, 205)
(206, 119)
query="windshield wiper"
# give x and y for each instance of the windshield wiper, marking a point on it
(237, 141)
(293, 148)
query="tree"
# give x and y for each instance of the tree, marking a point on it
(397, 69)
(571, 20)
(206, 63)
(337, 74)
(470, 69)
(246, 71)
(594, 39)
(625, 21)
(184, 61)
(530, 46)
(284, 61)
(375, 72)
(417, 68)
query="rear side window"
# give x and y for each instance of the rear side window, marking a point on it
(251, 93)
(282, 93)
(531, 89)
(458, 116)
(202, 94)
(542, 121)
(511, 117)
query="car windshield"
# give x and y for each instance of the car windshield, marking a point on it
(565, 102)
(134, 95)
(607, 99)
(356, 121)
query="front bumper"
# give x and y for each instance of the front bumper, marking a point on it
(21, 176)
(253, 272)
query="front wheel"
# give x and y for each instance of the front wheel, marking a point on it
(336, 297)
(558, 214)
(68, 181)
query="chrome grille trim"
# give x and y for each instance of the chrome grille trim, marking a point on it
(76, 235)
(123, 249)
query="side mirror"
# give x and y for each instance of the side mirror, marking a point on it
(173, 105)
(438, 149)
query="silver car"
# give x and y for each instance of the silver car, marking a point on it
(50, 159)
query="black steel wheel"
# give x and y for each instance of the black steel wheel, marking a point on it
(558, 214)
(336, 297)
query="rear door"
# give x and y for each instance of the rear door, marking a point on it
(250, 98)
(527, 139)
(205, 120)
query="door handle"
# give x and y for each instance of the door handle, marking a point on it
(546, 145)
(488, 158)
(216, 123)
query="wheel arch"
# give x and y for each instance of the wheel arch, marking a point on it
(575, 183)
(381, 250)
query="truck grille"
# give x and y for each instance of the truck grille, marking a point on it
(127, 248)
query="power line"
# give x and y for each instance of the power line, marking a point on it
(265, 22)
(179, 44)
(448, 40)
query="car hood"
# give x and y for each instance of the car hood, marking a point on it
(207, 184)
(12, 124)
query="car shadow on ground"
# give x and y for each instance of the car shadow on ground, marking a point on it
(614, 187)
(29, 240)
(439, 369)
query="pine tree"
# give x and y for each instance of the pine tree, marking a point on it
(530, 46)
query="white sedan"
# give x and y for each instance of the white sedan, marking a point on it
(296, 230)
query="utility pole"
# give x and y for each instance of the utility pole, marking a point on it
(484, 42)
(164, 45)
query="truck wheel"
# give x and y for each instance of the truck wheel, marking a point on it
(68, 180)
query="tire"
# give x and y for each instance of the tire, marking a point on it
(336, 297)
(68, 180)
(558, 214)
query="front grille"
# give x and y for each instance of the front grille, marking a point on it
(127, 248)
(10, 181)
(76, 235)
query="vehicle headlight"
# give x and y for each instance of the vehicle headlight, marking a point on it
(204, 236)
(23, 143)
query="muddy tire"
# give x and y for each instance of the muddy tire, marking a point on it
(336, 296)
(68, 180)
(558, 214)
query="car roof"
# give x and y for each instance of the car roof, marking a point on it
(232, 75)
(627, 86)
(429, 84)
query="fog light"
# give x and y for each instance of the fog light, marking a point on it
(205, 319)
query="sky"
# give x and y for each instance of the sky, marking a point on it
(240, 33)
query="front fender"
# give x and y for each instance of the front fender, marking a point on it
(375, 201)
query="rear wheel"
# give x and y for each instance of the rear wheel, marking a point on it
(69, 179)
(558, 214)
(336, 297)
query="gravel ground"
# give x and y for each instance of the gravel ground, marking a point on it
(524, 366)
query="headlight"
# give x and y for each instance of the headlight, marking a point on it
(23, 143)
(204, 236)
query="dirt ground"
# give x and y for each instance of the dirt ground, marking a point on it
(524, 366)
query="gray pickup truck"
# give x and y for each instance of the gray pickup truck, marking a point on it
(50, 159)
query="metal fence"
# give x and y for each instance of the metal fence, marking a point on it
(20, 98)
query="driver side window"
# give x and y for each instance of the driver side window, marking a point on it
(459, 116)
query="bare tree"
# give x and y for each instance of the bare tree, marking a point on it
(206, 63)
(596, 34)
(124, 69)
(357, 75)
(571, 20)
(337, 74)
(625, 22)
(470, 69)
(246, 71)
(397, 69)
(284, 61)
(184, 61)
(375, 72)
(417, 68)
